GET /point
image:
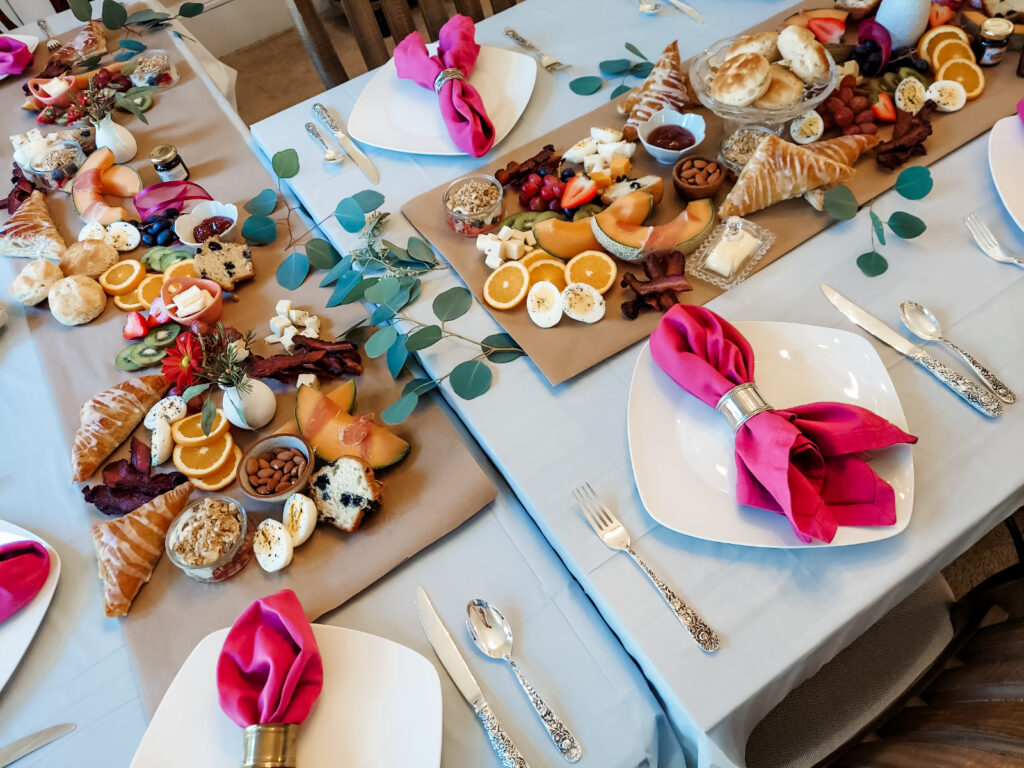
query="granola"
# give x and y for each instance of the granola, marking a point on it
(209, 532)
(475, 196)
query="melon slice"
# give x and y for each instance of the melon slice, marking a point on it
(565, 239)
(121, 181)
(630, 242)
(332, 432)
(344, 396)
(87, 188)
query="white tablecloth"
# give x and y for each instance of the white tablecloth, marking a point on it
(782, 613)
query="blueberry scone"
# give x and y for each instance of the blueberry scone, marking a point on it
(344, 491)
(224, 263)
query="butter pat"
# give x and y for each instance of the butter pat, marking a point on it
(728, 255)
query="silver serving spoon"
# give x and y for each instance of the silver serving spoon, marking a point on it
(493, 636)
(648, 8)
(330, 155)
(923, 324)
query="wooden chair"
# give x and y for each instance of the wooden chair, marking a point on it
(367, 29)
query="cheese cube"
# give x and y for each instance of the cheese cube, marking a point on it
(493, 260)
(198, 303)
(482, 241)
(310, 332)
(272, 339)
(288, 338)
(313, 324)
(493, 249)
(513, 250)
(505, 233)
(283, 307)
(186, 297)
(298, 316)
(530, 239)
(308, 380)
(279, 323)
(609, 152)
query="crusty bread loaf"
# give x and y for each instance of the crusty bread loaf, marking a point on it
(784, 89)
(344, 492)
(765, 43)
(804, 54)
(741, 80)
(224, 263)
(33, 283)
(88, 257)
(1008, 9)
(76, 300)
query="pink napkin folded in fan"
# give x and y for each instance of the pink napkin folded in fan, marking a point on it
(15, 56)
(269, 670)
(461, 106)
(24, 566)
(802, 462)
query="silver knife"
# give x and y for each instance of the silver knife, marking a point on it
(688, 10)
(18, 749)
(334, 126)
(977, 396)
(444, 646)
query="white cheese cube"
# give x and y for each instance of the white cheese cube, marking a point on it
(605, 135)
(595, 163)
(530, 239)
(308, 380)
(283, 307)
(272, 339)
(482, 241)
(618, 149)
(494, 260)
(505, 233)
(513, 250)
(279, 323)
(298, 316)
(313, 322)
(310, 332)
(579, 151)
(288, 338)
(188, 296)
(493, 249)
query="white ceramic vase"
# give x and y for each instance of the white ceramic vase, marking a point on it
(906, 20)
(116, 138)
(251, 409)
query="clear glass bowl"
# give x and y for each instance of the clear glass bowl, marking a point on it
(235, 556)
(697, 264)
(57, 165)
(476, 222)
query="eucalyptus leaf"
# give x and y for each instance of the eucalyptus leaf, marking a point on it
(585, 86)
(357, 291)
(914, 183)
(239, 413)
(418, 386)
(293, 270)
(350, 215)
(336, 272)
(259, 230)
(144, 16)
(618, 91)
(400, 410)
(872, 263)
(195, 389)
(114, 14)
(876, 224)
(369, 200)
(263, 204)
(321, 254)
(285, 163)
(470, 379)
(124, 55)
(381, 341)
(396, 250)
(453, 303)
(82, 9)
(614, 66)
(188, 10)
(89, 64)
(383, 290)
(501, 348)
(635, 51)
(131, 45)
(420, 251)
(840, 203)
(129, 105)
(414, 290)
(397, 355)
(343, 289)
(906, 225)
(390, 308)
(423, 338)
(641, 69)
(209, 413)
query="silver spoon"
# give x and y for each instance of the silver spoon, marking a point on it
(648, 8)
(493, 636)
(924, 325)
(330, 155)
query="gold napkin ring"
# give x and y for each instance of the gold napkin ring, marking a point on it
(740, 403)
(270, 746)
(445, 75)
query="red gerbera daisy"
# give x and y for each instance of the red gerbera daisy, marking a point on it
(183, 360)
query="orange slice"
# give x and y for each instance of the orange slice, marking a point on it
(123, 277)
(189, 430)
(223, 477)
(185, 268)
(967, 73)
(129, 302)
(149, 289)
(931, 39)
(507, 286)
(552, 270)
(595, 268)
(204, 460)
(951, 50)
(534, 256)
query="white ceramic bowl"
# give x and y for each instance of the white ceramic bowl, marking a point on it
(691, 121)
(187, 222)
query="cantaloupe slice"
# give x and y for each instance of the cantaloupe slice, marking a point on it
(566, 239)
(121, 181)
(87, 188)
(629, 242)
(344, 396)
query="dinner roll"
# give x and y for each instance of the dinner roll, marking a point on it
(741, 80)
(76, 300)
(33, 282)
(805, 55)
(88, 257)
(765, 43)
(784, 89)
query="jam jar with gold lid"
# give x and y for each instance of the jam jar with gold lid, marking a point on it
(992, 41)
(168, 163)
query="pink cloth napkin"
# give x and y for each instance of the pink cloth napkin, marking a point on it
(15, 56)
(803, 462)
(24, 566)
(269, 669)
(461, 105)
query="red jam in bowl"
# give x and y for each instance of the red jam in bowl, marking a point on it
(215, 225)
(673, 137)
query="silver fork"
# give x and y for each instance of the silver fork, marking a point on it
(52, 44)
(615, 536)
(550, 63)
(987, 241)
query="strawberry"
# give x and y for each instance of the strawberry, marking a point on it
(827, 30)
(157, 313)
(940, 14)
(579, 190)
(74, 113)
(135, 326)
(884, 109)
(47, 115)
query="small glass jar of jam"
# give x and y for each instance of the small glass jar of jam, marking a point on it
(992, 41)
(168, 163)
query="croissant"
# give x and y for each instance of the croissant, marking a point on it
(109, 418)
(778, 171)
(667, 87)
(843, 149)
(128, 548)
(30, 233)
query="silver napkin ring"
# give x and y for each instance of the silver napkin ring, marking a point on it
(740, 403)
(445, 75)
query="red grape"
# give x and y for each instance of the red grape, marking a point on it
(550, 179)
(538, 204)
(555, 205)
(547, 192)
(846, 95)
(859, 103)
(559, 188)
(843, 116)
(832, 103)
(865, 116)
(524, 199)
(868, 128)
(535, 178)
(852, 130)
(530, 189)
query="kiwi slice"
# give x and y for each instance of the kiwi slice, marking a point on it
(890, 80)
(124, 360)
(905, 72)
(162, 335)
(144, 356)
(590, 209)
(170, 256)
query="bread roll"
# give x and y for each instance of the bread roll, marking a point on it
(804, 54)
(741, 80)
(784, 89)
(765, 43)
(88, 257)
(76, 300)
(33, 282)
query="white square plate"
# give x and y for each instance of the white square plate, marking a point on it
(1005, 159)
(402, 116)
(683, 452)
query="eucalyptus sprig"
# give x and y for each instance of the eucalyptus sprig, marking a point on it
(914, 184)
(585, 86)
(115, 15)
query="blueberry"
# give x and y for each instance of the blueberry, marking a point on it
(566, 174)
(159, 226)
(542, 172)
(152, 218)
(922, 66)
(165, 238)
(135, 224)
(148, 239)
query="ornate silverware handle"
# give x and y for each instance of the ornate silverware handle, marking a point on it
(311, 129)
(567, 743)
(321, 114)
(977, 396)
(699, 629)
(501, 741)
(511, 34)
(1002, 391)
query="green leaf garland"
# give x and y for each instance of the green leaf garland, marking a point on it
(321, 254)
(338, 271)
(585, 86)
(876, 225)
(369, 200)
(285, 163)
(840, 203)
(292, 271)
(619, 91)
(344, 288)
(914, 183)
(350, 215)
(872, 263)
(114, 14)
(401, 409)
(906, 225)
(82, 9)
(453, 303)
(614, 66)
(419, 250)
(381, 341)
(423, 338)
(501, 348)
(188, 10)
(259, 230)
(263, 204)
(383, 291)
(641, 69)
(397, 355)
(131, 45)
(470, 379)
